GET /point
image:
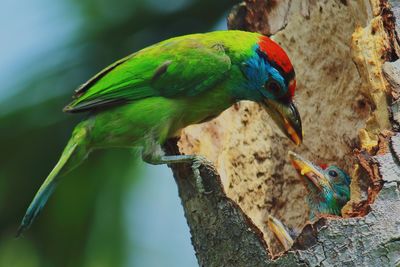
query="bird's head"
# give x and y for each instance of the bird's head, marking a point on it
(285, 235)
(329, 186)
(270, 80)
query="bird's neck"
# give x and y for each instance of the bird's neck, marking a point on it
(322, 207)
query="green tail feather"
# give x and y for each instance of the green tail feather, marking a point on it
(73, 154)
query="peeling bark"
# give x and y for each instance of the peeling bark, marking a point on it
(344, 54)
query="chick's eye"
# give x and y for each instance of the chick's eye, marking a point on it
(273, 87)
(332, 173)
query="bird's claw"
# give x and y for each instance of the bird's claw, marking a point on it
(197, 162)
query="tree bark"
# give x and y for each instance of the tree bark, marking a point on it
(345, 56)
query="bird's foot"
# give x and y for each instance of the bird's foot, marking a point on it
(197, 162)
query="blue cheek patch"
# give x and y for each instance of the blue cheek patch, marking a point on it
(258, 70)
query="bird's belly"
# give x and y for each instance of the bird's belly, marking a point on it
(194, 112)
(155, 118)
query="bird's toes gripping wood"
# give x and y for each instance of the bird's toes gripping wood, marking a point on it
(197, 162)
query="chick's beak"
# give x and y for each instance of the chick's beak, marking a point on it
(287, 117)
(280, 232)
(309, 171)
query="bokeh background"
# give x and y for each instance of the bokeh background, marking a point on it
(113, 210)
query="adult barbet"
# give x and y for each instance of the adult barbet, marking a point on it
(149, 96)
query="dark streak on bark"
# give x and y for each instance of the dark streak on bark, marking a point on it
(255, 16)
(389, 23)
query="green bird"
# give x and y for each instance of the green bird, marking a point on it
(328, 186)
(149, 96)
(329, 191)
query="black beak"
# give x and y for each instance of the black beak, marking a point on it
(287, 117)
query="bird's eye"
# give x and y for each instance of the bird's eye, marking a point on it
(333, 173)
(273, 88)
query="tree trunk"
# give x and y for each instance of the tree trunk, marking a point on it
(348, 86)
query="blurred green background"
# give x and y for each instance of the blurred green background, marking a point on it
(113, 210)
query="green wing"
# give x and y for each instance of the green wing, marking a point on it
(179, 67)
